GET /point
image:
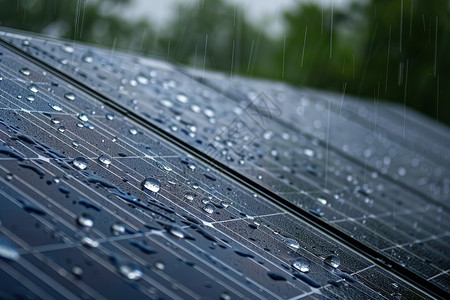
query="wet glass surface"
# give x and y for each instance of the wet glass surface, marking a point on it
(99, 203)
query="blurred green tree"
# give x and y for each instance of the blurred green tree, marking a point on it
(394, 50)
(91, 21)
(215, 35)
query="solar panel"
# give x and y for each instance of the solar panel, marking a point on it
(125, 176)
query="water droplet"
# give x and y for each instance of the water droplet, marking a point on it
(133, 131)
(308, 280)
(225, 296)
(189, 196)
(291, 243)
(276, 276)
(402, 171)
(7, 251)
(160, 266)
(177, 232)
(67, 48)
(151, 184)
(109, 116)
(85, 221)
(80, 163)
(118, 229)
(209, 112)
(308, 152)
(55, 106)
(33, 88)
(88, 242)
(31, 98)
(105, 159)
(75, 143)
(182, 98)
(322, 201)
(130, 272)
(208, 208)
(142, 79)
(77, 271)
(88, 59)
(332, 261)
(83, 117)
(25, 71)
(164, 166)
(70, 96)
(56, 120)
(166, 103)
(61, 129)
(301, 264)
(195, 108)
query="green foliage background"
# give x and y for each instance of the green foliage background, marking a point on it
(396, 50)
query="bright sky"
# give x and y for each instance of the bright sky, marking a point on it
(258, 11)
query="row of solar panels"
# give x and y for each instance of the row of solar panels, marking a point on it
(126, 176)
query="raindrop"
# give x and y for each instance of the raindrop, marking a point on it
(80, 163)
(166, 103)
(164, 166)
(104, 159)
(31, 98)
(332, 261)
(77, 271)
(83, 117)
(225, 296)
(208, 208)
(88, 59)
(133, 131)
(243, 254)
(291, 243)
(25, 71)
(70, 96)
(55, 106)
(301, 264)
(130, 272)
(142, 79)
(224, 203)
(309, 152)
(305, 278)
(85, 221)
(182, 98)
(159, 265)
(189, 196)
(7, 251)
(209, 113)
(109, 116)
(88, 242)
(33, 88)
(177, 232)
(191, 165)
(56, 120)
(151, 184)
(276, 276)
(67, 48)
(61, 129)
(195, 108)
(118, 229)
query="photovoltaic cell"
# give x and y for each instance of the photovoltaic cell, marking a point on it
(102, 200)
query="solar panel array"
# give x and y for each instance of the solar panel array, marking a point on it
(124, 176)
